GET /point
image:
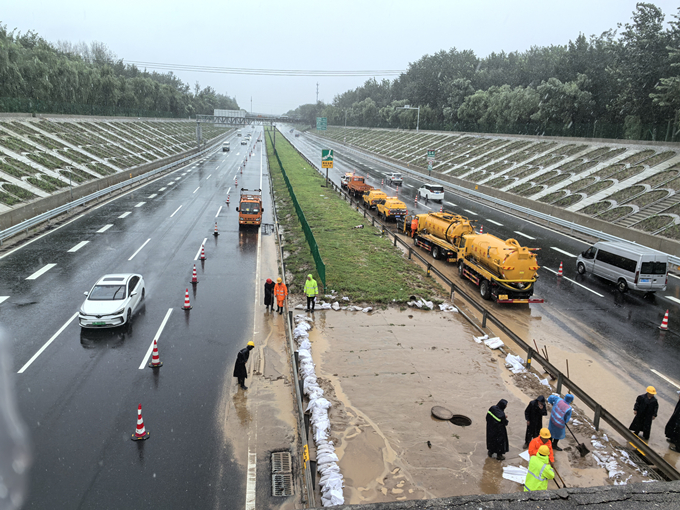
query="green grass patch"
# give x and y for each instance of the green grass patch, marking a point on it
(360, 263)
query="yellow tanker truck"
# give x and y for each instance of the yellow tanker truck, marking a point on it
(440, 233)
(504, 271)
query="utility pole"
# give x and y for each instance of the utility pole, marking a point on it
(251, 105)
(317, 92)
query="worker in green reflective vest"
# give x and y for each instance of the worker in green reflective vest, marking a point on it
(540, 471)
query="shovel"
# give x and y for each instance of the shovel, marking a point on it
(564, 485)
(582, 449)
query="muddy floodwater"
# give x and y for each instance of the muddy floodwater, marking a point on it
(384, 371)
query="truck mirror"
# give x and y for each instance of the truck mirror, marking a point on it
(261, 209)
(237, 209)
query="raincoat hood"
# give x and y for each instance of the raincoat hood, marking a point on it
(309, 276)
(502, 404)
(541, 399)
(569, 398)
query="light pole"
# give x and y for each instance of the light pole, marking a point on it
(409, 107)
(345, 117)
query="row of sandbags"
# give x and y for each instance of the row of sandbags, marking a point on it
(330, 481)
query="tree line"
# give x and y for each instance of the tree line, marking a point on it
(624, 83)
(38, 76)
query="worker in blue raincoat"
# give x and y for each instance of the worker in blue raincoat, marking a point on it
(559, 417)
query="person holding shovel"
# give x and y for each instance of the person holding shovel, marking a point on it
(539, 472)
(645, 409)
(559, 417)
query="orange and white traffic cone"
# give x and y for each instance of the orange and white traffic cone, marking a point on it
(187, 304)
(155, 359)
(140, 432)
(664, 322)
(202, 252)
(194, 277)
(481, 229)
(236, 182)
(441, 209)
(382, 182)
(416, 202)
(559, 271)
(216, 233)
(227, 199)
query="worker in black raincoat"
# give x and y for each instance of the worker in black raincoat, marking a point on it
(673, 428)
(269, 295)
(645, 409)
(240, 371)
(534, 414)
(496, 431)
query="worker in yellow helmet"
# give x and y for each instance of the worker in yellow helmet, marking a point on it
(540, 471)
(240, 371)
(645, 409)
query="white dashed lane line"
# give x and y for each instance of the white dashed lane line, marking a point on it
(106, 227)
(672, 298)
(139, 249)
(195, 190)
(124, 215)
(494, 222)
(198, 253)
(155, 338)
(153, 196)
(572, 281)
(47, 344)
(162, 189)
(78, 246)
(41, 272)
(666, 378)
(524, 235)
(3, 299)
(470, 212)
(140, 204)
(563, 252)
(450, 204)
(218, 212)
(176, 211)
(208, 177)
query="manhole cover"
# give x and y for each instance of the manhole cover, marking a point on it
(460, 420)
(282, 479)
(442, 413)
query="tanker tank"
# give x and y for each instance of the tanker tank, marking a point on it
(506, 259)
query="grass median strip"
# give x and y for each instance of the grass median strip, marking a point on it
(360, 263)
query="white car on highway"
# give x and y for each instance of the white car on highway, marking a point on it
(431, 192)
(112, 301)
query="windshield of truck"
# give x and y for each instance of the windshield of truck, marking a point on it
(653, 268)
(249, 208)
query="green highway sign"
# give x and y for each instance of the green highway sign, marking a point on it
(321, 123)
(326, 158)
(430, 155)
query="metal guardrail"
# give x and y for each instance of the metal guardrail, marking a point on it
(675, 260)
(600, 413)
(46, 216)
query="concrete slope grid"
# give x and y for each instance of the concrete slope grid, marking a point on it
(627, 183)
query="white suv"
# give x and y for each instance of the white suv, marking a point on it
(394, 178)
(431, 192)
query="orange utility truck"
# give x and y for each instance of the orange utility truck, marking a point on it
(250, 208)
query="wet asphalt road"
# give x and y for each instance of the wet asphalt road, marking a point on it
(627, 324)
(79, 397)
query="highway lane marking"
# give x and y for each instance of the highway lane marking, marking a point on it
(41, 272)
(218, 212)
(162, 189)
(562, 251)
(672, 298)
(140, 204)
(78, 246)
(139, 249)
(678, 277)
(525, 235)
(198, 253)
(572, 281)
(195, 190)
(494, 222)
(184, 174)
(251, 480)
(105, 227)
(666, 378)
(125, 215)
(47, 344)
(155, 338)
(154, 195)
(176, 211)
(469, 211)
(451, 204)
(208, 177)
(3, 299)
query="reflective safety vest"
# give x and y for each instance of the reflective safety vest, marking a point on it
(311, 288)
(539, 473)
(558, 412)
(414, 224)
(493, 415)
(280, 291)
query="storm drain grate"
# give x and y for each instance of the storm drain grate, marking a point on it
(282, 479)
(645, 466)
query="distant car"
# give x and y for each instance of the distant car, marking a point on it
(431, 192)
(239, 134)
(112, 301)
(297, 135)
(394, 178)
(244, 142)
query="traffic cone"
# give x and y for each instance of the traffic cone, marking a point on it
(187, 304)
(416, 199)
(236, 182)
(140, 432)
(441, 209)
(664, 322)
(481, 229)
(382, 182)
(194, 278)
(559, 271)
(202, 252)
(227, 199)
(216, 233)
(155, 359)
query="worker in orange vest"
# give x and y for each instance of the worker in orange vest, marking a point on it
(280, 292)
(543, 439)
(414, 225)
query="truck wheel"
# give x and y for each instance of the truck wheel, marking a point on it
(581, 268)
(460, 269)
(485, 289)
(622, 286)
(435, 252)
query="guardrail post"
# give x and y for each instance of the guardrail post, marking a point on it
(410, 252)
(453, 291)
(596, 419)
(558, 387)
(484, 318)
(373, 221)
(530, 354)
(429, 266)
(307, 419)
(364, 213)
(395, 238)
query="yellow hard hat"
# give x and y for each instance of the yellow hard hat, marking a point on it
(651, 390)
(279, 280)
(251, 343)
(545, 433)
(544, 450)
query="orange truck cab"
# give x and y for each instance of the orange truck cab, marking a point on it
(250, 207)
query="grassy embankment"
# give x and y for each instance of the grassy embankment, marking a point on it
(360, 263)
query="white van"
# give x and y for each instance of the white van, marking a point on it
(431, 192)
(630, 266)
(226, 146)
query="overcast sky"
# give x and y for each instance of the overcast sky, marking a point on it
(305, 34)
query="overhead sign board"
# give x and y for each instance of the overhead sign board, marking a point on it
(321, 123)
(326, 158)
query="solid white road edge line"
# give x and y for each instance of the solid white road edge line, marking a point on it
(158, 335)
(78, 246)
(176, 211)
(666, 378)
(195, 190)
(251, 480)
(562, 251)
(47, 344)
(494, 222)
(139, 249)
(672, 298)
(3, 299)
(218, 212)
(525, 235)
(124, 215)
(198, 253)
(572, 281)
(40, 272)
(105, 227)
